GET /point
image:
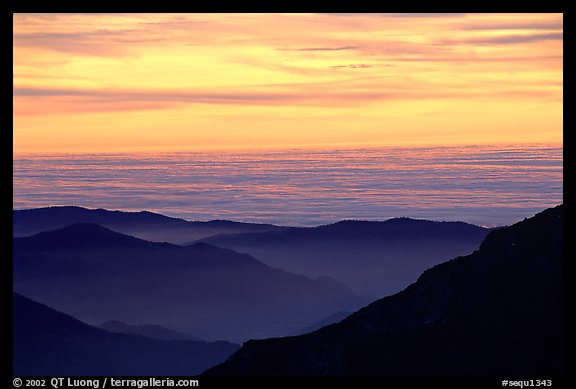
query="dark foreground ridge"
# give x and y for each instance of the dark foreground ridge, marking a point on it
(47, 342)
(498, 311)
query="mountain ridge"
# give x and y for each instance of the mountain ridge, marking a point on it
(79, 234)
(142, 224)
(351, 226)
(49, 342)
(153, 331)
(371, 257)
(97, 274)
(496, 311)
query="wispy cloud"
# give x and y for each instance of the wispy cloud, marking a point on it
(341, 48)
(321, 94)
(424, 15)
(99, 42)
(116, 95)
(120, 35)
(353, 66)
(513, 26)
(516, 39)
(403, 15)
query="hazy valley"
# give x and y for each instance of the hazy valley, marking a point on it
(163, 297)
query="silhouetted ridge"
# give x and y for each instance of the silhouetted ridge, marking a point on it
(81, 235)
(527, 234)
(334, 318)
(48, 342)
(349, 229)
(206, 246)
(71, 214)
(400, 227)
(144, 224)
(66, 215)
(214, 293)
(371, 257)
(147, 330)
(497, 311)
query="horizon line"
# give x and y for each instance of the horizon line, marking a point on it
(282, 147)
(493, 226)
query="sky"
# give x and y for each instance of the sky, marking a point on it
(152, 82)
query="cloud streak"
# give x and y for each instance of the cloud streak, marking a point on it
(401, 15)
(100, 42)
(353, 66)
(341, 48)
(318, 94)
(425, 15)
(513, 26)
(519, 39)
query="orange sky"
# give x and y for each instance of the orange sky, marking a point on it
(129, 82)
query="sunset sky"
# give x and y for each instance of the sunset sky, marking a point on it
(131, 82)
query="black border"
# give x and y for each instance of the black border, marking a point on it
(106, 6)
